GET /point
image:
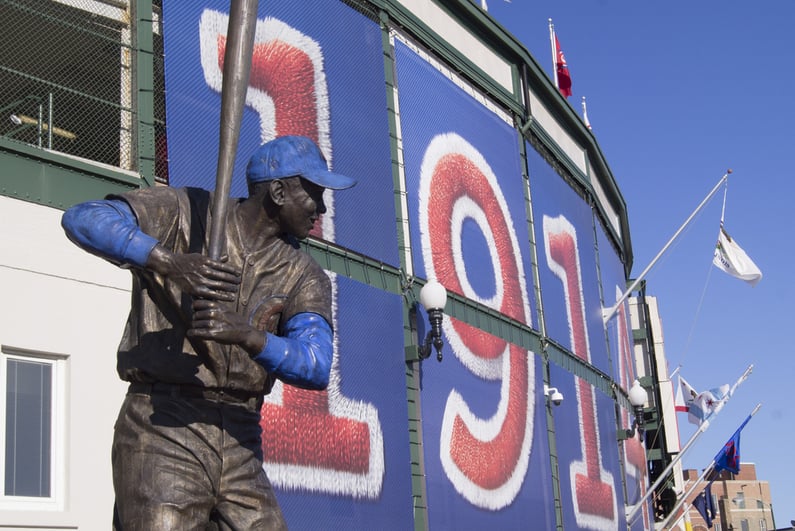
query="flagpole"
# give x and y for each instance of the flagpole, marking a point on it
(687, 494)
(681, 516)
(723, 208)
(554, 52)
(608, 313)
(707, 470)
(704, 426)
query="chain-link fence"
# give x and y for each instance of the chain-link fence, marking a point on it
(66, 79)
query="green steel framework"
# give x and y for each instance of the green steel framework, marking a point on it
(59, 181)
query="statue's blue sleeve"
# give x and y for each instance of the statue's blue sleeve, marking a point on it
(108, 229)
(302, 357)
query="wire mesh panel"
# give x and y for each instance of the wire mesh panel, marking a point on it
(159, 100)
(66, 78)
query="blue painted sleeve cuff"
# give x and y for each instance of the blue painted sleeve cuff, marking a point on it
(138, 248)
(302, 357)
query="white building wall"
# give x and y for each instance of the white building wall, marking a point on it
(667, 406)
(462, 40)
(60, 301)
(667, 389)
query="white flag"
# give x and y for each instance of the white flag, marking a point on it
(585, 114)
(732, 259)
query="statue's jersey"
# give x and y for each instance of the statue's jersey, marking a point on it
(277, 282)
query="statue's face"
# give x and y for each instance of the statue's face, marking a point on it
(303, 205)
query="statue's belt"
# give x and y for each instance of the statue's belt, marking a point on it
(213, 394)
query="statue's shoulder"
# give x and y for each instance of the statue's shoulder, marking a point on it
(156, 195)
(289, 249)
(300, 255)
(163, 208)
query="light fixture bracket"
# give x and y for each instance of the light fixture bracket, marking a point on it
(433, 298)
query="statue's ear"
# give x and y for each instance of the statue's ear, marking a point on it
(277, 191)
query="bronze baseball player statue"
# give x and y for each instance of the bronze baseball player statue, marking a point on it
(206, 337)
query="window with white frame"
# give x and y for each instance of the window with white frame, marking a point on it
(31, 429)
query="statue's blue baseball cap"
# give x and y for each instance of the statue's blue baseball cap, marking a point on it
(290, 156)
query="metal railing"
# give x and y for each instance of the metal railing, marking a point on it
(67, 79)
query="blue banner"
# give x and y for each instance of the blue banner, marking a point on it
(341, 458)
(567, 264)
(622, 355)
(590, 474)
(484, 433)
(338, 458)
(307, 78)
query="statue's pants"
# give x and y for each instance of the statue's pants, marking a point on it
(190, 464)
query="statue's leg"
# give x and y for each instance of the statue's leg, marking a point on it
(164, 463)
(246, 499)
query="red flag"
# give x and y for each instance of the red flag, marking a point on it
(563, 77)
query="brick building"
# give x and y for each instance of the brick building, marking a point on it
(742, 501)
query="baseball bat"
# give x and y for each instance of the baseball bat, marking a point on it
(237, 67)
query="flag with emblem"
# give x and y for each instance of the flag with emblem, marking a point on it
(698, 406)
(729, 456)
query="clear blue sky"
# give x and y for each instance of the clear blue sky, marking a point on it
(678, 92)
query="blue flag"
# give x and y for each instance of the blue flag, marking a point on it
(705, 505)
(729, 456)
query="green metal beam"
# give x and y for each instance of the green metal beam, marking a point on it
(55, 179)
(389, 278)
(144, 83)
